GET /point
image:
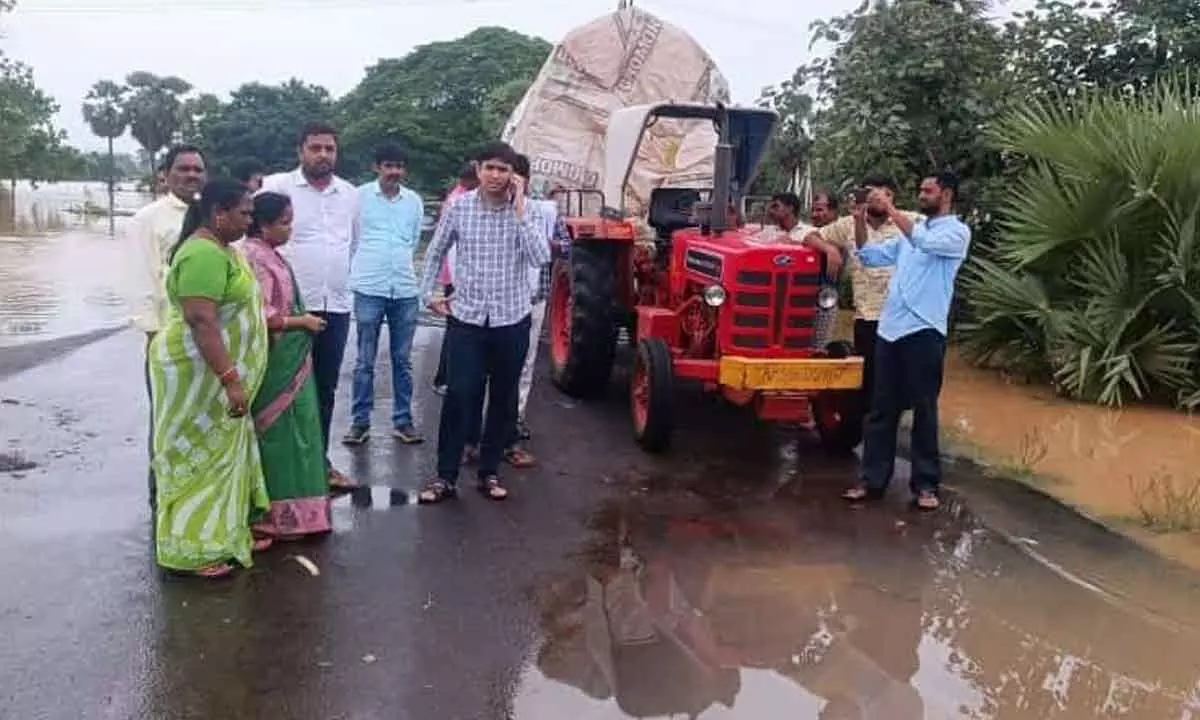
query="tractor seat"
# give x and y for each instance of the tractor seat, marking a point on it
(671, 209)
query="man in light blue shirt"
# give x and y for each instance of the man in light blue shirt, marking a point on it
(910, 348)
(385, 289)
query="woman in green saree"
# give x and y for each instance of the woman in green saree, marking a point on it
(286, 411)
(206, 365)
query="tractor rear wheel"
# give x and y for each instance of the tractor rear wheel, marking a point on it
(838, 415)
(583, 328)
(651, 395)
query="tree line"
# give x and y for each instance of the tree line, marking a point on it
(1075, 127)
(439, 101)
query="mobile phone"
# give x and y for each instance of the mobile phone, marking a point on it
(860, 195)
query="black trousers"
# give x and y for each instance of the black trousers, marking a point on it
(865, 333)
(908, 373)
(439, 377)
(479, 359)
(328, 351)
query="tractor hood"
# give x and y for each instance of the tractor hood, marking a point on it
(749, 131)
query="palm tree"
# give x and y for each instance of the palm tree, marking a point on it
(1094, 281)
(104, 111)
(155, 111)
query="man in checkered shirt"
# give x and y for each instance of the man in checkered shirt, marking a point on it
(496, 244)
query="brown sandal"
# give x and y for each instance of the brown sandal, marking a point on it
(519, 458)
(214, 572)
(862, 493)
(492, 488)
(927, 500)
(340, 482)
(435, 492)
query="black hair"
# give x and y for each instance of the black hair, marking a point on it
(316, 128)
(947, 180)
(268, 208)
(221, 194)
(830, 198)
(522, 166)
(500, 151)
(468, 172)
(391, 152)
(881, 181)
(788, 199)
(173, 153)
(246, 169)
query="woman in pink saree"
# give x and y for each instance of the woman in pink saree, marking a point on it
(286, 413)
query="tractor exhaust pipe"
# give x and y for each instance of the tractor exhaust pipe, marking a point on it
(722, 174)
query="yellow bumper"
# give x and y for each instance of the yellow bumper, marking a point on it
(791, 375)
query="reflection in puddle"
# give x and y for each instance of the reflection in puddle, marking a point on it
(786, 610)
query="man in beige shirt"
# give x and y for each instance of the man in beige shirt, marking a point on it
(870, 285)
(151, 234)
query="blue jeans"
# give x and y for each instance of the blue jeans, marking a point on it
(370, 312)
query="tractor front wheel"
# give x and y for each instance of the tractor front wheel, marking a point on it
(583, 328)
(839, 415)
(651, 394)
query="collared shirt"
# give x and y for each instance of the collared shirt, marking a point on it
(494, 253)
(152, 233)
(324, 230)
(389, 231)
(923, 284)
(870, 284)
(561, 239)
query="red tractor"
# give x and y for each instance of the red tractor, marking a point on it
(705, 300)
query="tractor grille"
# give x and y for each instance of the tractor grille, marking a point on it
(776, 310)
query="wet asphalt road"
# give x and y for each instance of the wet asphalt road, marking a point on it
(724, 581)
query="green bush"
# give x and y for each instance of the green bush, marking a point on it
(1093, 281)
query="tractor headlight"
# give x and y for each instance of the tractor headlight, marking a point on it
(827, 299)
(714, 296)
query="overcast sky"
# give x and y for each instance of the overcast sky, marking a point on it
(220, 44)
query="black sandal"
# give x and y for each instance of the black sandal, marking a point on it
(492, 488)
(435, 492)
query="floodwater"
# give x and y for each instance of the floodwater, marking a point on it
(686, 607)
(60, 272)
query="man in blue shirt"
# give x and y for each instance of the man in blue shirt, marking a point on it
(385, 289)
(910, 348)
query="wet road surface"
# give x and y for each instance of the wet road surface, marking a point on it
(724, 581)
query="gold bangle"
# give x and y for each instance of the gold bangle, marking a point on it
(228, 376)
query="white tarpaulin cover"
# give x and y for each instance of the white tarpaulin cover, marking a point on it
(627, 58)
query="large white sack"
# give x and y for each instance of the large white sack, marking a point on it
(629, 57)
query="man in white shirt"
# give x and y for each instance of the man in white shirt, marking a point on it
(324, 234)
(151, 234)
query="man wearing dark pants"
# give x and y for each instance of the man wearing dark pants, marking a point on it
(324, 230)
(496, 244)
(911, 346)
(153, 231)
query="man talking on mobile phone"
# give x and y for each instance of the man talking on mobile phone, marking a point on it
(496, 244)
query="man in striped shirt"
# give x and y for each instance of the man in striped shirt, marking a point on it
(496, 245)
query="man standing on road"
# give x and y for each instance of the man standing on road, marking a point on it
(324, 228)
(866, 226)
(385, 289)
(911, 348)
(496, 244)
(154, 230)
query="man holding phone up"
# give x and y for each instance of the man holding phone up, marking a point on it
(865, 226)
(496, 245)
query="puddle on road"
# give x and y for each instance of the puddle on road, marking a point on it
(788, 609)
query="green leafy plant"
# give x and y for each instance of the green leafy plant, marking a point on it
(1094, 279)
